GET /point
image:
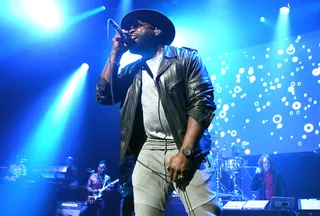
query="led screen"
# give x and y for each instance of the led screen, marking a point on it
(267, 97)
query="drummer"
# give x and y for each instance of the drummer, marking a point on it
(267, 181)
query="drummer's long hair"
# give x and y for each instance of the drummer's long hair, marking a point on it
(260, 161)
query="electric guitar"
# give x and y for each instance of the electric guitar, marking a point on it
(93, 198)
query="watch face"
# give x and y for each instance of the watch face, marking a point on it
(187, 151)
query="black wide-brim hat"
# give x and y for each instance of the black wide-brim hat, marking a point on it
(153, 17)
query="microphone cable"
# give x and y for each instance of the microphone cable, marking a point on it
(185, 193)
(115, 111)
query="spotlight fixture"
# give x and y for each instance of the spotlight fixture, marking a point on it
(285, 10)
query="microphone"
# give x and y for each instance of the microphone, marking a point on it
(125, 36)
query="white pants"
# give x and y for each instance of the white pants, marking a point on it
(152, 185)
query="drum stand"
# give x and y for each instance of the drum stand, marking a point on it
(219, 186)
(232, 166)
(237, 191)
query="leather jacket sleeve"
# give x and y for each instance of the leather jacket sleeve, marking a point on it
(105, 96)
(200, 92)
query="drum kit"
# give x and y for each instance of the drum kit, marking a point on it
(227, 167)
(233, 176)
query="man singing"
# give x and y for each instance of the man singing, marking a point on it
(166, 104)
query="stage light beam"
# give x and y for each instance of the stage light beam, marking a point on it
(86, 14)
(48, 135)
(43, 12)
(282, 28)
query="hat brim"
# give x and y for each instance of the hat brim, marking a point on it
(153, 17)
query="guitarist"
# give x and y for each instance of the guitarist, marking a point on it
(95, 183)
(18, 170)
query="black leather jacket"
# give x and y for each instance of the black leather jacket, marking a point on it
(277, 182)
(184, 88)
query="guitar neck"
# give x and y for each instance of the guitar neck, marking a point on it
(105, 187)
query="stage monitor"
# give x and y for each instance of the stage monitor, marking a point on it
(282, 203)
(309, 204)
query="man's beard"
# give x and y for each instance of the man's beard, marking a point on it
(135, 49)
(142, 47)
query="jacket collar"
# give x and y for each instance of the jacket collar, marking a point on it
(169, 52)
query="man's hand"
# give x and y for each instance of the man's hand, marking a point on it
(119, 46)
(178, 166)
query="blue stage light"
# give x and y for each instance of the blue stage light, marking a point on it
(43, 12)
(284, 10)
(84, 67)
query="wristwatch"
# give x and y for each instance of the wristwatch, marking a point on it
(186, 151)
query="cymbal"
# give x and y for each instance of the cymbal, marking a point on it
(218, 149)
(226, 195)
(232, 158)
(250, 167)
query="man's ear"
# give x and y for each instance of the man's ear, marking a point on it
(157, 31)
